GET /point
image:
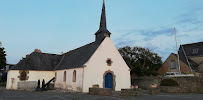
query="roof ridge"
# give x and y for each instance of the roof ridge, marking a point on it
(21, 60)
(78, 57)
(174, 53)
(47, 53)
(192, 43)
(38, 61)
(79, 47)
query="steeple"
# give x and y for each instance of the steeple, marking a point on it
(103, 31)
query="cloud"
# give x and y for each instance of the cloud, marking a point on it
(190, 24)
(143, 35)
(148, 34)
(191, 20)
(162, 40)
(195, 21)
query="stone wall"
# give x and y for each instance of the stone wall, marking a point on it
(192, 84)
(173, 89)
(27, 85)
(153, 91)
(145, 82)
(131, 92)
(100, 91)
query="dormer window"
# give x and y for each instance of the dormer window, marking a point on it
(195, 51)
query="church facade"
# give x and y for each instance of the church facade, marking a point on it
(97, 63)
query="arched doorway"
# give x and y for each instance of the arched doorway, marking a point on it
(109, 80)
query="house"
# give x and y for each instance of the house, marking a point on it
(97, 63)
(190, 58)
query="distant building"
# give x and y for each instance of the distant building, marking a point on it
(3, 72)
(8, 67)
(190, 58)
(97, 63)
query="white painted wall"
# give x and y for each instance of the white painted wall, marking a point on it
(85, 77)
(33, 76)
(97, 66)
(70, 85)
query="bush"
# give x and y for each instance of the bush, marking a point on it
(3, 84)
(4, 78)
(168, 82)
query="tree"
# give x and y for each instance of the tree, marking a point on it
(142, 61)
(2, 57)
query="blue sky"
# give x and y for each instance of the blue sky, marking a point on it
(56, 26)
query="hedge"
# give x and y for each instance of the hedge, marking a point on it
(168, 82)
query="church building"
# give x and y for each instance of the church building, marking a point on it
(97, 63)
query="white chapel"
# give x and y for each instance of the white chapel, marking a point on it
(97, 63)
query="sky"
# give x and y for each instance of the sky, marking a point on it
(56, 26)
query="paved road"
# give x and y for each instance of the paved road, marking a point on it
(25, 95)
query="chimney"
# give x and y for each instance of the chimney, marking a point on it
(37, 50)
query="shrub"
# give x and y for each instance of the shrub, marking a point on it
(4, 78)
(168, 82)
(3, 84)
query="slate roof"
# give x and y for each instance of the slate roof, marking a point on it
(49, 62)
(11, 65)
(188, 48)
(38, 61)
(78, 57)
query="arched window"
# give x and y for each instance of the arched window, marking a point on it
(74, 76)
(23, 75)
(64, 77)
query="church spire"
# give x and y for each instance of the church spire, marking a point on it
(103, 17)
(103, 31)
